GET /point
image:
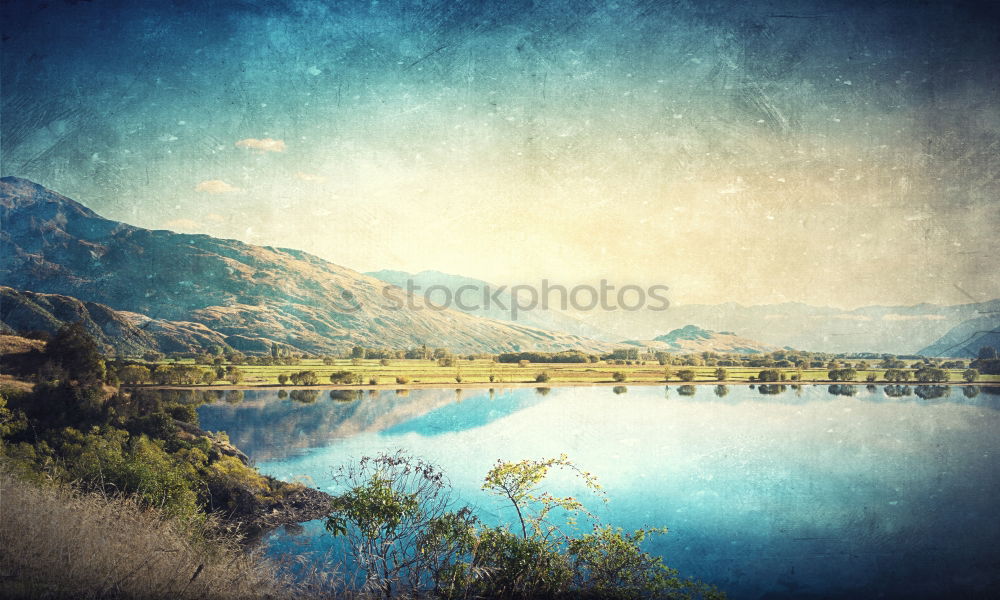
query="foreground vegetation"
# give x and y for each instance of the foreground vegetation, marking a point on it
(111, 493)
(406, 537)
(58, 542)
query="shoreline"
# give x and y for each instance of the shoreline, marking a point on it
(532, 384)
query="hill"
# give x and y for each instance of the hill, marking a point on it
(691, 338)
(475, 289)
(247, 294)
(123, 332)
(965, 339)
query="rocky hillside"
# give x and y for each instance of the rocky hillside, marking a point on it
(244, 293)
(692, 338)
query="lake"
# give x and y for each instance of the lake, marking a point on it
(768, 492)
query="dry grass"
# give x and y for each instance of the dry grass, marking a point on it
(15, 344)
(59, 543)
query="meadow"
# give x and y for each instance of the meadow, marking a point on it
(417, 372)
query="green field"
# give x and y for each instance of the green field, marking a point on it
(428, 372)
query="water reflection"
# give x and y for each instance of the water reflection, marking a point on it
(779, 491)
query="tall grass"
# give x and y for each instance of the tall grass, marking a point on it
(56, 542)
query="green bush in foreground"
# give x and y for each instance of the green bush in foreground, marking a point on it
(407, 538)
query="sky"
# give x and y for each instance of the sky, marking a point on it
(836, 153)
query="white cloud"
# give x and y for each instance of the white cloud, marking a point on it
(264, 145)
(216, 186)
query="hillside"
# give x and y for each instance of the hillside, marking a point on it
(54, 245)
(691, 338)
(123, 332)
(475, 290)
(965, 339)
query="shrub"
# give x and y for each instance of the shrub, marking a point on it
(686, 375)
(542, 377)
(402, 379)
(619, 376)
(339, 377)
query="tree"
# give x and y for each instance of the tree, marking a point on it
(134, 374)
(341, 377)
(721, 374)
(208, 377)
(970, 375)
(686, 375)
(542, 377)
(667, 373)
(389, 509)
(282, 378)
(75, 352)
(619, 376)
(987, 353)
(234, 375)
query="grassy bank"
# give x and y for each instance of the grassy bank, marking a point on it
(56, 542)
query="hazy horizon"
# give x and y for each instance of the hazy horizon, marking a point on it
(832, 154)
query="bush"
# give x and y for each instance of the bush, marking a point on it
(686, 375)
(542, 377)
(341, 377)
(402, 379)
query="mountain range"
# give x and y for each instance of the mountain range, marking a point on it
(248, 296)
(138, 289)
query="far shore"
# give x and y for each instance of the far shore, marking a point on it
(532, 384)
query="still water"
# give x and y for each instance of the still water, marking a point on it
(821, 491)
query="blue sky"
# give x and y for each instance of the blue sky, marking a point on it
(839, 153)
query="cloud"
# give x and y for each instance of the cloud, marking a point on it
(216, 186)
(264, 145)
(898, 317)
(310, 177)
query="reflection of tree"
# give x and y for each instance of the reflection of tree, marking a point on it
(234, 396)
(687, 390)
(721, 391)
(929, 392)
(771, 389)
(839, 389)
(345, 395)
(619, 389)
(897, 391)
(970, 391)
(543, 391)
(304, 396)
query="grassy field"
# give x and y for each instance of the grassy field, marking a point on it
(428, 372)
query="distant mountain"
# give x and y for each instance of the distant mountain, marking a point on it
(692, 338)
(124, 332)
(889, 329)
(965, 339)
(473, 296)
(52, 244)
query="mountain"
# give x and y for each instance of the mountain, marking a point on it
(692, 338)
(473, 299)
(965, 339)
(247, 294)
(124, 332)
(888, 329)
